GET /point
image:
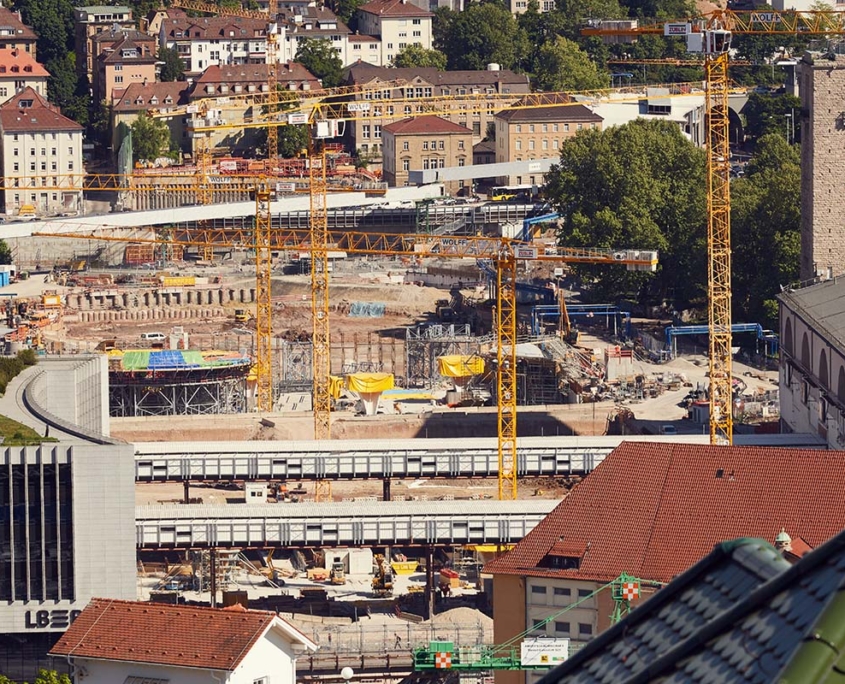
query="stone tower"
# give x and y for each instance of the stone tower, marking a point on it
(821, 78)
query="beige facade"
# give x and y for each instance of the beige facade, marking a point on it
(528, 134)
(428, 142)
(365, 135)
(120, 65)
(14, 34)
(19, 71)
(822, 88)
(88, 22)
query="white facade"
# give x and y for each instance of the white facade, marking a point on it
(272, 660)
(812, 368)
(103, 521)
(200, 53)
(52, 155)
(396, 33)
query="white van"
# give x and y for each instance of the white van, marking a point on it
(153, 337)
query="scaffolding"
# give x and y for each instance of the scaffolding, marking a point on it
(199, 391)
(424, 344)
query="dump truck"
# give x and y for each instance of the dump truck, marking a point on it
(241, 316)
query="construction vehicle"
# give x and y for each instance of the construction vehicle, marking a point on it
(382, 577)
(337, 575)
(241, 316)
(444, 311)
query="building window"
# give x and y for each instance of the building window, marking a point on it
(32, 166)
(584, 593)
(16, 166)
(584, 629)
(530, 128)
(377, 130)
(441, 163)
(519, 128)
(365, 131)
(531, 144)
(518, 145)
(562, 627)
(545, 144)
(405, 146)
(15, 152)
(566, 128)
(425, 164)
(441, 145)
(417, 34)
(538, 590)
(580, 127)
(461, 161)
(554, 144)
(118, 79)
(425, 144)
(417, 22)
(70, 166)
(406, 164)
(554, 128)
(563, 591)
(460, 144)
(538, 624)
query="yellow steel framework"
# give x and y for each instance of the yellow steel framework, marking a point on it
(506, 369)
(321, 334)
(263, 301)
(719, 249)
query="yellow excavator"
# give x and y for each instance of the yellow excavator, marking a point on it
(382, 577)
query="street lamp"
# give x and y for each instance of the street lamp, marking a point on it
(594, 390)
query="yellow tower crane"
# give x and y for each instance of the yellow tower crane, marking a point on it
(710, 35)
(505, 253)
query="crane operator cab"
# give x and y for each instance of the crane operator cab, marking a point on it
(708, 41)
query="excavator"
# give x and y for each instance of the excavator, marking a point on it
(382, 577)
(569, 334)
(337, 575)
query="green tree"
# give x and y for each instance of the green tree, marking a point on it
(346, 11)
(173, 68)
(415, 56)
(5, 253)
(440, 24)
(562, 65)
(321, 59)
(150, 138)
(766, 229)
(483, 34)
(51, 677)
(292, 140)
(640, 185)
(68, 91)
(770, 114)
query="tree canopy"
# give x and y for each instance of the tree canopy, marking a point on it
(562, 65)
(150, 138)
(172, 68)
(483, 34)
(772, 114)
(416, 56)
(321, 59)
(640, 185)
(766, 229)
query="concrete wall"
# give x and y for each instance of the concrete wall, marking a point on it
(74, 389)
(822, 88)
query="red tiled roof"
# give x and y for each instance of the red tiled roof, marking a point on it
(41, 116)
(425, 124)
(394, 8)
(137, 96)
(161, 634)
(9, 59)
(207, 28)
(652, 510)
(254, 73)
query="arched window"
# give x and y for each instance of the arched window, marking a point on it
(840, 389)
(805, 352)
(824, 377)
(787, 338)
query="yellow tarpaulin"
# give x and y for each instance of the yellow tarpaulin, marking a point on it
(456, 366)
(335, 386)
(369, 382)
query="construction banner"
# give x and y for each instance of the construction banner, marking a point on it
(456, 366)
(368, 383)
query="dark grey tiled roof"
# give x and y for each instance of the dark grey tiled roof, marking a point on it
(738, 616)
(822, 305)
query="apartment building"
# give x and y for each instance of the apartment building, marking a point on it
(398, 23)
(365, 135)
(14, 34)
(521, 6)
(151, 24)
(217, 41)
(39, 146)
(527, 134)
(19, 71)
(316, 23)
(127, 61)
(137, 98)
(223, 81)
(427, 142)
(87, 23)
